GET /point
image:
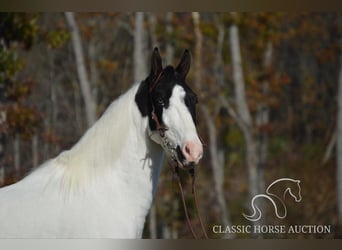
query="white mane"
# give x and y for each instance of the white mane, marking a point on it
(100, 147)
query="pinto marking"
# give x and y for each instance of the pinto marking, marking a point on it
(103, 187)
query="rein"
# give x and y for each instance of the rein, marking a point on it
(177, 178)
(175, 168)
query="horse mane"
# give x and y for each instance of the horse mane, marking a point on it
(99, 148)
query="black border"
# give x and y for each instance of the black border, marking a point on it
(174, 5)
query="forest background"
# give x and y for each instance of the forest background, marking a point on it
(270, 104)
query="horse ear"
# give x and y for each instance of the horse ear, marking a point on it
(184, 64)
(156, 65)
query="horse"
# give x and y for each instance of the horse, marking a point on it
(292, 188)
(103, 186)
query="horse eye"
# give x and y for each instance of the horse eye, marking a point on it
(160, 101)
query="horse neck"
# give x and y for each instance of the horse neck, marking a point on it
(116, 151)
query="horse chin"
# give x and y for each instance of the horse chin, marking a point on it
(189, 165)
(182, 162)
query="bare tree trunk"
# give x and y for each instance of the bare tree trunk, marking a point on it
(239, 82)
(329, 150)
(217, 163)
(90, 106)
(77, 106)
(46, 148)
(339, 144)
(169, 44)
(54, 106)
(16, 152)
(216, 154)
(198, 49)
(152, 20)
(243, 114)
(139, 58)
(219, 74)
(140, 70)
(261, 120)
(51, 120)
(35, 157)
(94, 74)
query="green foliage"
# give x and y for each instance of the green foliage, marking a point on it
(19, 27)
(23, 120)
(57, 38)
(208, 30)
(9, 64)
(17, 31)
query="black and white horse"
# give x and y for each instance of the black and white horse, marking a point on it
(104, 185)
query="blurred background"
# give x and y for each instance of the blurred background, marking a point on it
(270, 104)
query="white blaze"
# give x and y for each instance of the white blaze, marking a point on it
(181, 127)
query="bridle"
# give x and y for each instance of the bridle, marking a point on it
(166, 144)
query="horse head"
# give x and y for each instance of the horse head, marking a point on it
(170, 105)
(295, 191)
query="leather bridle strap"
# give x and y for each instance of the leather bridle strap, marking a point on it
(155, 82)
(192, 172)
(156, 120)
(175, 168)
(153, 114)
(177, 177)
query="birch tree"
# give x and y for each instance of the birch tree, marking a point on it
(139, 57)
(242, 114)
(152, 25)
(262, 118)
(16, 154)
(90, 105)
(169, 45)
(216, 153)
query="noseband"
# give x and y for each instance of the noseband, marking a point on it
(166, 144)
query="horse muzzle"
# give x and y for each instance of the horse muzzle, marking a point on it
(189, 155)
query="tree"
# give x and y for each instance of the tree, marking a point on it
(90, 105)
(243, 115)
(18, 120)
(216, 153)
(139, 57)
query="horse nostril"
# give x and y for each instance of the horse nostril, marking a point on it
(187, 149)
(192, 152)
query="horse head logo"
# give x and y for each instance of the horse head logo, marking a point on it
(292, 187)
